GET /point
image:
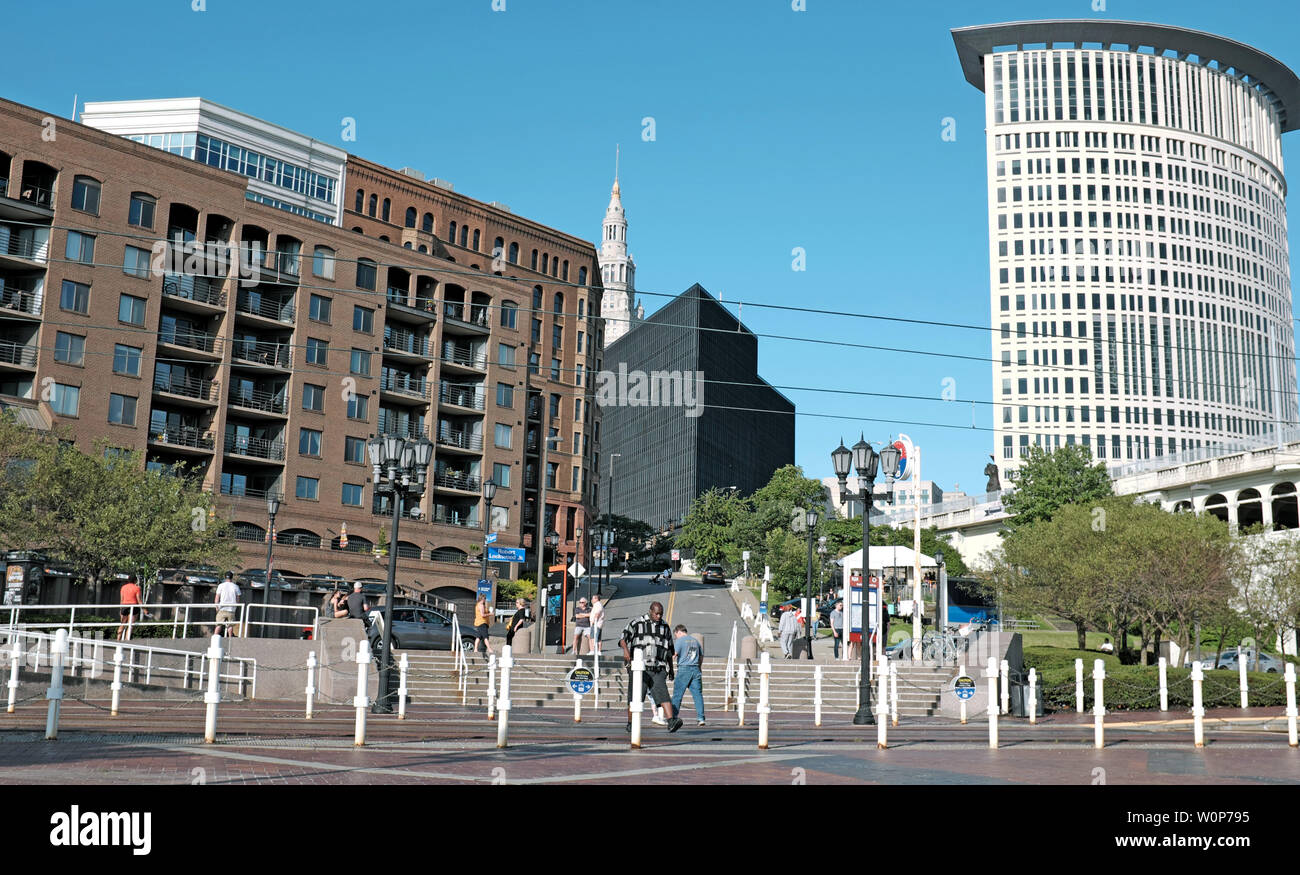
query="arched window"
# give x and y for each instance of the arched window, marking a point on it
(143, 207)
(555, 267)
(464, 236)
(499, 247)
(357, 231)
(388, 206)
(361, 201)
(407, 245)
(476, 239)
(423, 248)
(537, 299)
(384, 237)
(582, 276)
(374, 205)
(85, 194)
(428, 223)
(564, 271)
(514, 253)
(559, 303)
(533, 264)
(410, 217)
(582, 307)
(451, 233)
(546, 262)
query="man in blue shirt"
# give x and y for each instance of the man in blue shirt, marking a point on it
(690, 659)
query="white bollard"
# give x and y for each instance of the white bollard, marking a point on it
(1078, 685)
(857, 689)
(1098, 703)
(503, 704)
(492, 685)
(962, 673)
(764, 706)
(992, 674)
(404, 667)
(311, 682)
(1198, 707)
(213, 695)
(638, 692)
(1164, 684)
(1290, 705)
(595, 679)
(1006, 687)
(15, 660)
(361, 701)
(577, 701)
(893, 693)
(740, 692)
(117, 681)
(882, 707)
(55, 693)
(817, 696)
(1033, 696)
(1241, 672)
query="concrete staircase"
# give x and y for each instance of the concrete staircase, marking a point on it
(538, 682)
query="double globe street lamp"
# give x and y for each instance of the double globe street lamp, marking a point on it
(809, 611)
(866, 461)
(489, 493)
(399, 466)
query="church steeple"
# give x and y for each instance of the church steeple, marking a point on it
(618, 270)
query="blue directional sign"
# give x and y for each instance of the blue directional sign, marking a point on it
(505, 554)
(581, 681)
(485, 588)
(964, 687)
(762, 608)
(491, 538)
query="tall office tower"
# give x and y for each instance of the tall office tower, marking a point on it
(617, 271)
(1141, 298)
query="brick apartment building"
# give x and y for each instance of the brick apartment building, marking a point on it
(354, 300)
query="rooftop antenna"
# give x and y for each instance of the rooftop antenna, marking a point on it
(74, 107)
(616, 162)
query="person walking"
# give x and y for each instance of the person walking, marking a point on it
(597, 622)
(227, 601)
(837, 626)
(690, 662)
(132, 603)
(581, 626)
(651, 635)
(518, 619)
(787, 628)
(482, 623)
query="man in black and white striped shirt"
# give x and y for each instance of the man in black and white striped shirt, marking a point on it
(652, 636)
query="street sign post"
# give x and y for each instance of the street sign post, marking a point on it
(505, 554)
(491, 538)
(580, 680)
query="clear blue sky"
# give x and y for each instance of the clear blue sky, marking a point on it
(774, 129)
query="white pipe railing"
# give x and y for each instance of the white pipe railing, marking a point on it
(143, 656)
(183, 616)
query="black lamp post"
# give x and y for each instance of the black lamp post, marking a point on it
(941, 591)
(272, 508)
(399, 466)
(489, 493)
(811, 519)
(865, 461)
(552, 540)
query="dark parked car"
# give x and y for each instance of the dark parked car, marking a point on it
(714, 574)
(420, 629)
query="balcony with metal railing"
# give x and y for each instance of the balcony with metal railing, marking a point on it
(184, 436)
(187, 387)
(405, 342)
(471, 316)
(450, 478)
(400, 383)
(36, 194)
(198, 289)
(251, 303)
(239, 490)
(269, 449)
(465, 517)
(464, 356)
(460, 440)
(20, 297)
(261, 352)
(468, 397)
(17, 242)
(421, 308)
(199, 341)
(395, 425)
(18, 354)
(262, 400)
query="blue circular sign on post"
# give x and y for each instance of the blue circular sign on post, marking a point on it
(964, 687)
(580, 680)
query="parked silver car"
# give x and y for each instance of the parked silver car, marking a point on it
(420, 629)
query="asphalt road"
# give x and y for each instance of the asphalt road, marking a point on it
(706, 609)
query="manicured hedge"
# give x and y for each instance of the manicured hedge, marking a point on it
(1136, 687)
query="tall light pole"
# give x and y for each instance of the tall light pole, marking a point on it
(552, 540)
(489, 493)
(578, 556)
(941, 596)
(272, 508)
(545, 428)
(865, 460)
(609, 519)
(808, 617)
(399, 466)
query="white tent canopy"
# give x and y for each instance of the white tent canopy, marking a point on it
(885, 557)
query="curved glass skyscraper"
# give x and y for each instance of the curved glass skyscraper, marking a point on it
(1140, 291)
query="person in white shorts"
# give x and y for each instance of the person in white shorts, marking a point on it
(597, 621)
(581, 626)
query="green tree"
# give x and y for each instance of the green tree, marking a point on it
(772, 507)
(710, 528)
(1047, 481)
(101, 513)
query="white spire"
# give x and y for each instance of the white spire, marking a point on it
(618, 270)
